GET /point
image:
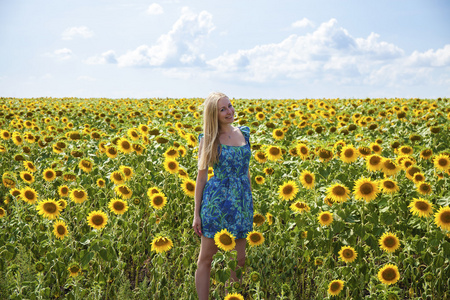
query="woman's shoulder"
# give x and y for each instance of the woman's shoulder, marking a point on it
(245, 130)
(200, 136)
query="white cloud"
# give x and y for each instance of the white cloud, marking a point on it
(431, 58)
(62, 54)
(108, 57)
(86, 78)
(155, 9)
(73, 32)
(305, 22)
(181, 46)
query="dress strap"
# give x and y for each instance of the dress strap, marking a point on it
(246, 132)
(200, 136)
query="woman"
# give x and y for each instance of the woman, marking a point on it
(225, 201)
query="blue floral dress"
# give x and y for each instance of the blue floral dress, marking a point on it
(227, 199)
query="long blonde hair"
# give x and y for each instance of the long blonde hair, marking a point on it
(208, 153)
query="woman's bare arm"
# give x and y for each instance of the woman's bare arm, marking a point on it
(202, 178)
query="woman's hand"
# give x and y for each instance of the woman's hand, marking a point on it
(197, 225)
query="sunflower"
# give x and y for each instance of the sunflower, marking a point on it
(288, 190)
(28, 195)
(421, 207)
(123, 191)
(268, 171)
(74, 269)
(111, 151)
(300, 207)
(325, 218)
(388, 186)
(17, 139)
(62, 203)
(255, 238)
(49, 208)
(124, 145)
(389, 274)
(86, 165)
(307, 179)
(405, 150)
(63, 191)
(97, 219)
(49, 174)
(442, 162)
(171, 166)
(188, 187)
(78, 195)
(273, 153)
(27, 177)
(424, 188)
(161, 244)
(426, 154)
(133, 134)
(269, 217)
(118, 206)
(171, 153)
(338, 192)
(442, 218)
(29, 166)
(182, 150)
(389, 167)
(364, 151)
(183, 174)
(158, 200)
(259, 179)
(101, 183)
(258, 219)
(410, 171)
(153, 190)
(389, 242)
(225, 240)
(234, 296)
(335, 287)
(325, 155)
(349, 154)
(2, 212)
(302, 151)
(374, 162)
(347, 254)
(278, 134)
(260, 157)
(117, 177)
(418, 178)
(376, 148)
(60, 229)
(366, 189)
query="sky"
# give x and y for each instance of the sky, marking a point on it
(284, 49)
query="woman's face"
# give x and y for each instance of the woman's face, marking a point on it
(226, 111)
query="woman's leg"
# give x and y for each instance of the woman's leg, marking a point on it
(240, 248)
(207, 250)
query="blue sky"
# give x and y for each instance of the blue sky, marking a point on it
(246, 49)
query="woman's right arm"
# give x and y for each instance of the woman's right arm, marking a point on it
(202, 178)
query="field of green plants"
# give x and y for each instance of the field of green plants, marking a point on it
(351, 199)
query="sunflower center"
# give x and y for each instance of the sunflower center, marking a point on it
(339, 191)
(125, 145)
(86, 164)
(418, 177)
(366, 188)
(124, 190)
(74, 269)
(348, 153)
(347, 253)
(117, 176)
(325, 154)
(158, 200)
(274, 151)
(119, 206)
(364, 150)
(78, 194)
(412, 171)
(61, 230)
(172, 152)
(29, 195)
(376, 148)
(261, 155)
(304, 150)
(112, 150)
(335, 286)
(49, 174)
(50, 207)
(225, 239)
(425, 187)
(190, 187)
(308, 178)
(390, 242)
(389, 184)
(443, 162)
(287, 190)
(374, 160)
(408, 163)
(161, 242)
(172, 165)
(300, 205)
(325, 217)
(64, 190)
(255, 238)
(388, 164)
(97, 220)
(258, 219)
(426, 153)
(422, 205)
(388, 274)
(27, 177)
(445, 217)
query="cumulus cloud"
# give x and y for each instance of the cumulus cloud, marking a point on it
(431, 58)
(62, 54)
(155, 9)
(181, 46)
(73, 32)
(305, 22)
(108, 57)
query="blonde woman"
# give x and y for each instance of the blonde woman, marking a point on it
(225, 201)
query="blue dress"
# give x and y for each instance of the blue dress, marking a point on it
(227, 199)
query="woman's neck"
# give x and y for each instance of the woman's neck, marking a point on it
(226, 128)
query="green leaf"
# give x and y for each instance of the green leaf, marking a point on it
(87, 258)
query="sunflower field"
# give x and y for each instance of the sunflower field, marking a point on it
(351, 199)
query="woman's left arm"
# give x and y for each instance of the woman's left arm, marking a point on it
(249, 179)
